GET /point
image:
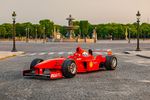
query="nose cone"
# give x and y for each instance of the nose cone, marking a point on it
(51, 64)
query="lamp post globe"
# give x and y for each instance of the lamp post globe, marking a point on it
(14, 32)
(138, 15)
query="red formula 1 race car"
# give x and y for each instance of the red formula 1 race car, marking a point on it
(80, 62)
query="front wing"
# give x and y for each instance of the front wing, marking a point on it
(55, 74)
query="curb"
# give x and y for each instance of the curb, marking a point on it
(7, 57)
(143, 56)
(126, 52)
(139, 55)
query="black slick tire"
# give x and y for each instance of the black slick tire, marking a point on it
(111, 62)
(35, 62)
(69, 68)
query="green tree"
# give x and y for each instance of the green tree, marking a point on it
(90, 29)
(37, 30)
(63, 30)
(20, 30)
(28, 28)
(84, 27)
(2, 32)
(132, 29)
(145, 30)
(48, 25)
(76, 24)
(8, 28)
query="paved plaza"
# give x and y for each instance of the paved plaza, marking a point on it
(130, 81)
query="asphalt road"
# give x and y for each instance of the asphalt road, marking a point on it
(130, 81)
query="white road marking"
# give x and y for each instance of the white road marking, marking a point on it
(50, 53)
(22, 55)
(144, 81)
(97, 49)
(99, 53)
(69, 53)
(43, 53)
(60, 53)
(117, 53)
(32, 54)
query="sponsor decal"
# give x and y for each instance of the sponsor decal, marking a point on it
(55, 75)
(91, 64)
(78, 58)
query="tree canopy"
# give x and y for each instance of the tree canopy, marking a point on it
(104, 31)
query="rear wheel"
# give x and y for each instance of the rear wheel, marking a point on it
(69, 68)
(35, 62)
(111, 62)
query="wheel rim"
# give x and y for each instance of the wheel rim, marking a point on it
(114, 62)
(72, 68)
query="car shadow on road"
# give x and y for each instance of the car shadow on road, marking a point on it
(80, 75)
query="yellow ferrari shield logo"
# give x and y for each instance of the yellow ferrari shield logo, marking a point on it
(91, 64)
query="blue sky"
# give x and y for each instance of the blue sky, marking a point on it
(96, 11)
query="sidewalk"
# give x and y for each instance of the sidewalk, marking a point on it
(122, 41)
(98, 41)
(7, 54)
(145, 54)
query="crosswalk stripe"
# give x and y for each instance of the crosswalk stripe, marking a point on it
(119, 54)
(144, 81)
(22, 55)
(60, 53)
(43, 53)
(70, 53)
(50, 53)
(32, 54)
(98, 53)
(97, 49)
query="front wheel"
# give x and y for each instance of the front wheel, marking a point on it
(69, 68)
(111, 62)
(35, 62)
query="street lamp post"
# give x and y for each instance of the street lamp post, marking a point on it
(138, 26)
(14, 32)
